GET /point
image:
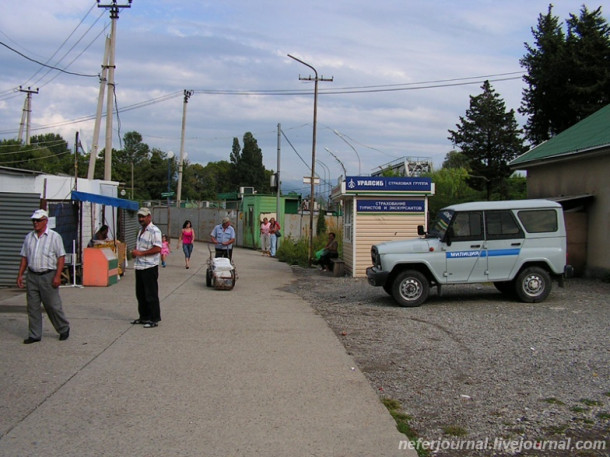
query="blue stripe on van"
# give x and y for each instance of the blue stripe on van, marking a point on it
(502, 252)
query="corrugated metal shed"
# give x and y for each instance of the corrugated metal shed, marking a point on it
(15, 212)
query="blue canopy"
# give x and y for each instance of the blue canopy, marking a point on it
(103, 200)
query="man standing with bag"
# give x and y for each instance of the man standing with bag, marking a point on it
(43, 255)
(147, 254)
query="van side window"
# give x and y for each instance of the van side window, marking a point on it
(538, 221)
(501, 225)
(467, 226)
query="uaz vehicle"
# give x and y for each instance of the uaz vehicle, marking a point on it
(519, 245)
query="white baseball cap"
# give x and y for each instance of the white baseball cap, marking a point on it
(39, 214)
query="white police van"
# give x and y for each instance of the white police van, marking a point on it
(519, 245)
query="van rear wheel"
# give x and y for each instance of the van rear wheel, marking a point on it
(410, 288)
(533, 285)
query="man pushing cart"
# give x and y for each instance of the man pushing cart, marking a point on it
(221, 271)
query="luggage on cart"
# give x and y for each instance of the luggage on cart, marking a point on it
(220, 273)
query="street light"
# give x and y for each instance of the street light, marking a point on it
(313, 154)
(313, 160)
(323, 181)
(337, 159)
(353, 148)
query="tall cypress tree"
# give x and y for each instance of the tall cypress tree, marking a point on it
(588, 46)
(568, 77)
(546, 79)
(489, 137)
(247, 164)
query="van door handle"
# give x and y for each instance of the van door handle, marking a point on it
(515, 244)
(475, 245)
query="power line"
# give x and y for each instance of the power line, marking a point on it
(48, 66)
(283, 92)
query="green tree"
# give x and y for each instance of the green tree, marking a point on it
(568, 78)
(489, 137)
(455, 159)
(49, 153)
(321, 223)
(451, 187)
(11, 155)
(588, 45)
(247, 164)
(133, 157)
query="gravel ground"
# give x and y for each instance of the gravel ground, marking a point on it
(472, 368)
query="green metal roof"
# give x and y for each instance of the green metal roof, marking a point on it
(592, 132)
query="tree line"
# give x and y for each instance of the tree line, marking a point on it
(143, 171)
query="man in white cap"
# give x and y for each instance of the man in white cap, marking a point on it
(43, 255)
(223, 236)
(147, 255)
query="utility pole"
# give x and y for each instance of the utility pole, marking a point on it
(187, 95)
(25, 115)
(313, 151)
(114, 15)
(277, 176)
(98, 113)
(76, 146)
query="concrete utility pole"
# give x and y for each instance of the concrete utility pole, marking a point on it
(98, 113)
(313, 150)
(187, 95)
(114, 15)
(277, 175)
(25, 115)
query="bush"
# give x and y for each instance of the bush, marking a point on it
(321, 223)
(294, 252)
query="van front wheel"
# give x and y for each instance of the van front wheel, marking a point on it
(410, 288)
(533, 285)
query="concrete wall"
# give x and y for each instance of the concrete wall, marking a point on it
(204, 220)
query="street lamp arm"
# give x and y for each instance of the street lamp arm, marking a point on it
(337, 159)
(353, 149)
(304, 63)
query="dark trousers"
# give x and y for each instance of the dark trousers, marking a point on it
(147, 293)
(228, 253)
(325, 259)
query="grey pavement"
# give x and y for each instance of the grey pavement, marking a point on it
(248, 372)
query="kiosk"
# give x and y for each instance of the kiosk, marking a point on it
(377, 209)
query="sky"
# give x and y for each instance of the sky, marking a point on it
(402, 71)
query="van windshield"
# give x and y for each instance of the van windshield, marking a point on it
(440, 224)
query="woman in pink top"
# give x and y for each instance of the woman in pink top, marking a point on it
(187, 236)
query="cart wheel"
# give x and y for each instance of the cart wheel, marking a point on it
(208, 278)
(232, 280)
